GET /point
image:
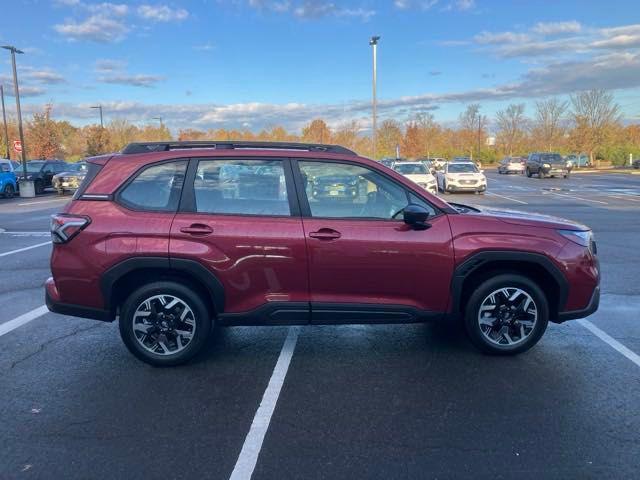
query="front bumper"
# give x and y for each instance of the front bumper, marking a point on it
(466, 188)
(591, 308)
(52, 300)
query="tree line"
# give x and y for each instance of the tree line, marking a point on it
(588, 122)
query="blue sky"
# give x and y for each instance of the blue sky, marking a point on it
(260, 63)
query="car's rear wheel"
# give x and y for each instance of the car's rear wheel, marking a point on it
(164, 323)
(528, 173)
(506, 315)
(8, 191)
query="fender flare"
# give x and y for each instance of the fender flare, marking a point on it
(482, 258)
(190, 268)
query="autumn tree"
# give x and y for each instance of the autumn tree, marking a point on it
(429, 132)
(595, 114)
(347, 135)
(412, 141)
(97, 139)
(42, 136)
(511, 124)
(316, 132)
(472, 125)
(548, 127)
(389, 136)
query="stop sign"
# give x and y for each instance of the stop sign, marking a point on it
(17, 146)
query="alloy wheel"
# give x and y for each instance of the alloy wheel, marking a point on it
(507, 316)
(164, 324)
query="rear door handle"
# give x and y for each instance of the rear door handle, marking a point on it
(325, 234)
(197, 229)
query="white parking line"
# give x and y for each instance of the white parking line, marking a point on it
(11, 325)
(253, 442)
(612, 342)
(43, 201)
(11, 252)
(508, 198)
(625, 197)
(577, 198)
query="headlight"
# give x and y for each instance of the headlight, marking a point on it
(546, 165)
(450, 178)
(581, 237)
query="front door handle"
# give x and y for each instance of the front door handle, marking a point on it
(197, 229)
(325, 234)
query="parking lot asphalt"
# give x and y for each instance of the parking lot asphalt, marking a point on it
(385, 401)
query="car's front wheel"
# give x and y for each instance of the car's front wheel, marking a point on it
(164, 323)
(528, 172)
(8, 191)
(506, 315)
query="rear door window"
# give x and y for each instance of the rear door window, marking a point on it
(241, 187)
(156, 188)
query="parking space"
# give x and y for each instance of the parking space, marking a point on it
(409, 401)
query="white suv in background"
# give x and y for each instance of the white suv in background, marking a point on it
(462, 177)
(419, 173)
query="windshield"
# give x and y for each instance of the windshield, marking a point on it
(462, 168)
(411, 169)
(551, 158)
(77, 167)
(34, 167)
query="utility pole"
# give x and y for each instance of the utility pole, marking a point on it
(4, 120)
(99, 107)
(479, 131)
(160, 120)
(16, 90)
(374, 43)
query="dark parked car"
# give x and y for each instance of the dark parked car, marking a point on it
(42, 172)
(150, 239)
(70, 180)
(636, 164)
(546, 165)
(335, 186)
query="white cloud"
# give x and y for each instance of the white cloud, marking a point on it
(312, 9)
(106, 8)
(162, 13)
(98, 28)
(554, 28)
(45, 77)
(500, 38)
(131, 80)
(107, 65)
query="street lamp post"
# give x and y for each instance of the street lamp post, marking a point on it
(4, 121)
(374, 43)
(160, 120)
(26, 186)
(99, 107)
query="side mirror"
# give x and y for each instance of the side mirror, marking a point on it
(416, 216)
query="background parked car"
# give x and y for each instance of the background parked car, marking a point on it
(8, 185)
(578, 160)
(388, 162)
(417, 172)
(636, 164)
(462, 177)
(546, 165)
(41, 172)
(70, 180)
(438, 162)
(511, 165)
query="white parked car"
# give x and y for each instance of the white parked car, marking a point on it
(419, 173)
(462, 177)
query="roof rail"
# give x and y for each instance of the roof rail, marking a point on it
(147, 147)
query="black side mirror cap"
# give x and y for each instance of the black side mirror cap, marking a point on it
(416, 216)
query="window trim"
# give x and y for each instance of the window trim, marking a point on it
(188, 199)
(117, 196)
(305, 208)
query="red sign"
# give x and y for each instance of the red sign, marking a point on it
(17, 146)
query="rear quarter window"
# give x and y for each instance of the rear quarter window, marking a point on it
(156, 188)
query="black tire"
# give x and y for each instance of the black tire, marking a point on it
(528, 172)
(8, 191)
(202, 317)
(566, 176)
(472, 324)
(39, 187)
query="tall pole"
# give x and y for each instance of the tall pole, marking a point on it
(160, 120)
(374, 43)
(4, 121)
(99, 107)
(16, 90)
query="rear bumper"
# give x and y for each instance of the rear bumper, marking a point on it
(52, 300)
(591, 308)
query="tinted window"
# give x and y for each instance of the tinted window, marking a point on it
(5, 167)
(462, 168)
(551, 158)
(242, 187)
(339, 190)
(156, 188)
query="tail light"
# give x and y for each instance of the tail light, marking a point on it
(64, 227)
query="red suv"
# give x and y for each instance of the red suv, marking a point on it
(173, 238)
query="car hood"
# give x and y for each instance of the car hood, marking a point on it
(517, 217)
(421, 177)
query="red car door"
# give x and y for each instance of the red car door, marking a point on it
(364, 264)
(240, 224)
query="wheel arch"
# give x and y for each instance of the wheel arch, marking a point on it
(485, 264)
(127, 275)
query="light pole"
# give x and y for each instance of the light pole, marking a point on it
(160, 120)
(26, 188)
(99, 107)
(374, 43)
(4, 121)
